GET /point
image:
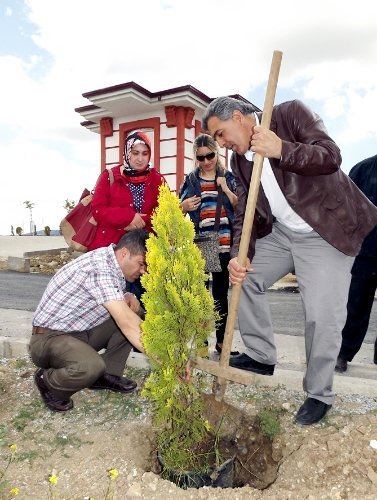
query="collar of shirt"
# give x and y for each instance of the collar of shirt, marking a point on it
(249, 155)
(111, 250)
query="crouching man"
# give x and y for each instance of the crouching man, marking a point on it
(83, 310)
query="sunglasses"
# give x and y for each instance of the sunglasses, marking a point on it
(208, 156)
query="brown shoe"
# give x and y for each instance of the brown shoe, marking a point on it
(52, 402)
(114, 383)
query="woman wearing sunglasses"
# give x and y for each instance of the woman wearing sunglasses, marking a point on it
(198, 196)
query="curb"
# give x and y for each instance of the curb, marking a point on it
(13, 347)
(22, 264)
(55, 251)
(19, 347)
(362, 379)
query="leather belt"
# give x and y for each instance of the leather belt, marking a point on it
(40, 329)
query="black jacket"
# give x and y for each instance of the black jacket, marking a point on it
(364, 175)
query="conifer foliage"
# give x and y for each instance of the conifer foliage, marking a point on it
(179, 316)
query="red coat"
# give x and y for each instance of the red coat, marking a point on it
(113, 206)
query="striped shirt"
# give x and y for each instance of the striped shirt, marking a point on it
(208, 213)
(73, 300)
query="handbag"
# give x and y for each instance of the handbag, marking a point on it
(208, 243)
(79, 226)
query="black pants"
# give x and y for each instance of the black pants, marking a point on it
(360, 301)
(220, 287)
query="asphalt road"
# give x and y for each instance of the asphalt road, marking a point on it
(288, 317)
(21, 290)
(24, 291)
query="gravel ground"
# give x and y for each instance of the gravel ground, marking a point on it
(334, 459)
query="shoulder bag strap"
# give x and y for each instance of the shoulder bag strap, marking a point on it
(111, 179)
(220, 195)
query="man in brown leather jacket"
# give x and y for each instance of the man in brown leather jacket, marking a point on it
(310, 218)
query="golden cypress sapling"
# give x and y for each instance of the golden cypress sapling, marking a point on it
(180, 315)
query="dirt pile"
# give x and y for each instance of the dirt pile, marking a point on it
(49, 264)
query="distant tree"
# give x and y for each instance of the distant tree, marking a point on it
(19, 230)
(47, 230)
(12, 230)
(69, 205)
(30, 206)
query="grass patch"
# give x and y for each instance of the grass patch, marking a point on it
(139, 374)
(22, 418)
(29, 456)
(106, 406)
(26, 415)
(3, 435)
(20, 363)
(72, 440)
(269, 422)
(120, 406)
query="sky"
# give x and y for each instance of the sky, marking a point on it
(53, 51)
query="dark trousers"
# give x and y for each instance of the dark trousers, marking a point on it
(220, 287)
(136, 288)
(71, 360)
(360, 301)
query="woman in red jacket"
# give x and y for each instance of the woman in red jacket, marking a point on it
(128, 202)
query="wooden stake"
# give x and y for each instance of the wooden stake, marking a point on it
(234, 374)
(220, 384)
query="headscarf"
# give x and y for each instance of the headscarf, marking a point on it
(132, 175)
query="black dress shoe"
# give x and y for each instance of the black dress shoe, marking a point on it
(114, 383)
(244, 362)
(311, 412)
(220, 350)
(52, 402)
(375, 353)
(341, 365)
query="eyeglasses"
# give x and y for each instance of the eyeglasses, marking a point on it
(208, 156)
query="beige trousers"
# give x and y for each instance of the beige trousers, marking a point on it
(323, 276)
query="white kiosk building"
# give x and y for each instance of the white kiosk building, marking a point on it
(171, 118)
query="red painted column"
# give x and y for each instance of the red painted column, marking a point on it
(198, 128)
(106, 130)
